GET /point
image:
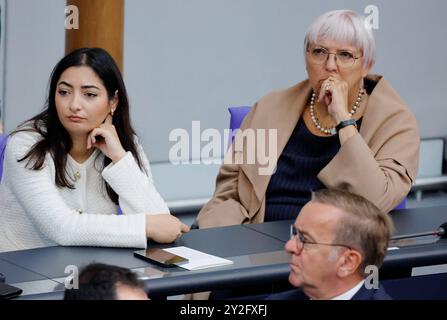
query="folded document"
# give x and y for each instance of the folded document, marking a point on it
(197, 260)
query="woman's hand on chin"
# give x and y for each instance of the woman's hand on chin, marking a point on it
(334, 94)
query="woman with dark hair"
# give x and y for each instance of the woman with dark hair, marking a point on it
(68, 169)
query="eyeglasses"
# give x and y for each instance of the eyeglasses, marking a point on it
(301, 240)
(343, 58)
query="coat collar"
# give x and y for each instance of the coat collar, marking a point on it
(281, 110)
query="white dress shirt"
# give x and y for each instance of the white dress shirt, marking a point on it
(350, 293)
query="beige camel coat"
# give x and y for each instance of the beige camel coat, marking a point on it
(379, 163)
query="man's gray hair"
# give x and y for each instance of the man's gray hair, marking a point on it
(363, 226)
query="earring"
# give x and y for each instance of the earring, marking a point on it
(112, 112)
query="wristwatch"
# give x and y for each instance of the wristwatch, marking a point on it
(345, 123)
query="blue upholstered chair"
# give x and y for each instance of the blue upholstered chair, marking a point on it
(237, 116)
(402, 204)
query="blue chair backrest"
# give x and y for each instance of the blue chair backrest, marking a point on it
(3, 140)
(237, 116)
(402, 204)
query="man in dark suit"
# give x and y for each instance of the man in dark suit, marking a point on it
(335, 239)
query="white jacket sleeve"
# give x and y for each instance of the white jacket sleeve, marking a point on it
(37, 193)
(136, 189)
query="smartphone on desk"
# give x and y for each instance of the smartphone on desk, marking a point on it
(160, 257)
(8, 292)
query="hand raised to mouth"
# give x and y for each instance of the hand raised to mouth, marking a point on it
(105, 138)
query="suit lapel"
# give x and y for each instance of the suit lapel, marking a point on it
(363, 294)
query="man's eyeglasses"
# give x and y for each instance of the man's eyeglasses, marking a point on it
(343, 58)
(301, 240)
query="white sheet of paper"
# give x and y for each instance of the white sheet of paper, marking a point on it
(197, 260)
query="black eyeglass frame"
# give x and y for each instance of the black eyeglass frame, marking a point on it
(336, 60)
(295, 233)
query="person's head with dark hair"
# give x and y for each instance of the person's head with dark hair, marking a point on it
(86, 91)
(100, 281)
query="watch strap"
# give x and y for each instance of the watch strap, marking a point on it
(345, 123)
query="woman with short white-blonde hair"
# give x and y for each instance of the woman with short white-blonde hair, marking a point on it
(340, 128)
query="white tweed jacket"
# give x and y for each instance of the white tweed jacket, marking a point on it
(34, 212)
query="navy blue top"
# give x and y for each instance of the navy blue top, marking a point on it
(303, 157)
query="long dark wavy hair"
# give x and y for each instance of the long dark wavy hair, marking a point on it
(55, 138)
